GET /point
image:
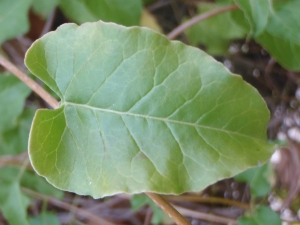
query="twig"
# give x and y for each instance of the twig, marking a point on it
(48, 23)
(211, 200)
(157, 5)
(15, 160)
(205, 216)
(148, 216)
(67, 206)
(29, 82)
(180, 29)
(16, 56)
(168, 208)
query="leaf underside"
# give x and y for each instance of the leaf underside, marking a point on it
(140, 113)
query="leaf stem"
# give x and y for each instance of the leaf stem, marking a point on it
(168, 208)
(29, 82)
(181, 28)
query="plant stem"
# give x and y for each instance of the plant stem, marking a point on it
(16, 160)
(206, 216)
(48, 23)
(29, 82)
(211, 200)
(168, 208)
(180, 29)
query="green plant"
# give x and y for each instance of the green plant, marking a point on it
(137, 112)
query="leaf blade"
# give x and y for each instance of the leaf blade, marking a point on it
(131, 126)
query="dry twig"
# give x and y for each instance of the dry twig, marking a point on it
(29, 82)
(180, 29)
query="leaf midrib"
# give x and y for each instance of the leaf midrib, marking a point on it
(159, 119)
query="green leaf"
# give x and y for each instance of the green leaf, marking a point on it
(259, 179)
(44, 7)
(81, 11)
(13, 18)
(263, 215)
(45, 218)
(12, 97)
(214, 33)
(140, 113)
(238, 18)
(15, 141)
(257, 13)
(282, 35)
(13, 203)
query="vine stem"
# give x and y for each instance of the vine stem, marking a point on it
(168, 208)
(181, 28)
(29, 82)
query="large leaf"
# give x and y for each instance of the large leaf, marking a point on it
(12, 96)
(214, 33)
(13, 18)
(257, 12)
(282, 35)
(117, 11)
(140, 113)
